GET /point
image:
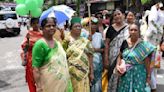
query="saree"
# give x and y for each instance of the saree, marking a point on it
(33, 37)
(114, 47)
(134, 80)
(97, 42)
(54, 74)
(78, 63)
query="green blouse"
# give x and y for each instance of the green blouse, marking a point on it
(42, 53)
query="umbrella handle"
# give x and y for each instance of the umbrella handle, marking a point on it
(89, 14)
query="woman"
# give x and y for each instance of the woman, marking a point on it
(79, 54)
(49, 61)
(32, 36)
(136, 54)
(130, 18)
(98, 44)
(154, 34)
(116, 33)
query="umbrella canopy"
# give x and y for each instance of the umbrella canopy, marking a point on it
(60, 12)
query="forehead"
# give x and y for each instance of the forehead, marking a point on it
(50, 21)
(133, 26)
(76, 24)
(130, 13)
(117, 12)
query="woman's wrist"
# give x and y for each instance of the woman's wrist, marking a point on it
(148, 76)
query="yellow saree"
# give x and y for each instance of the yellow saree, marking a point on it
(79, 64)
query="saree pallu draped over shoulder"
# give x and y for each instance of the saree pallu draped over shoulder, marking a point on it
(134, 79)
(79, 64)
(114, 48)
(55, 75)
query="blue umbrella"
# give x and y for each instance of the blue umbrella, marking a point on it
(60, 12)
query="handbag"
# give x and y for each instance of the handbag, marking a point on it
(122, 68)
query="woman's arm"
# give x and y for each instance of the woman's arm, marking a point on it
(119, 59)
(91, 73)
(38, 54)
(148, 73)
(101, 50)
(36, 75)
(106, 53)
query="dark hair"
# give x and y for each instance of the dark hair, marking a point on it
(44, 22)
(138, 26)
(70, 26)
(33, 20)
(127, 12)
(122, 11)
(101, 16)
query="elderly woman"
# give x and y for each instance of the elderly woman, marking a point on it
(49, 61)
(98, 45)
(134, 57)
(115, 35)
(79, 54)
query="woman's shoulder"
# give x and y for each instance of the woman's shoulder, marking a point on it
(147, 44)
(40, 42)
(111, 27)
(98, 34)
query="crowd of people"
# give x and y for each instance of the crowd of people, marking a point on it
(110, 56)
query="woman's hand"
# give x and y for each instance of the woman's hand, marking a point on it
(106, 65)
(148, 80)
(39, 89)
(91, 77)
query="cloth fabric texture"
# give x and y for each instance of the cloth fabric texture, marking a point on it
(134, 80)
(116, 39)
(97, 42)
(33, 37)
(52, 63)
(75, 20)
(78, 62)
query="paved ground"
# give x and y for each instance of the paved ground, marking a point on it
(160, 78)
(11, 72)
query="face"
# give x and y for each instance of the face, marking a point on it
(50, 27)
(94, 27)
(35, 25)
(134, 31)
(162, 46)
(76, 28)
(118, 16)
(99, 16)
(130, 17)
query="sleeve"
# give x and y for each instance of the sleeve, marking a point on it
(123, 46)
(37, 54)
(153, 14)
(108, 33)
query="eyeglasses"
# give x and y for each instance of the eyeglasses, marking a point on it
(77, 27)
